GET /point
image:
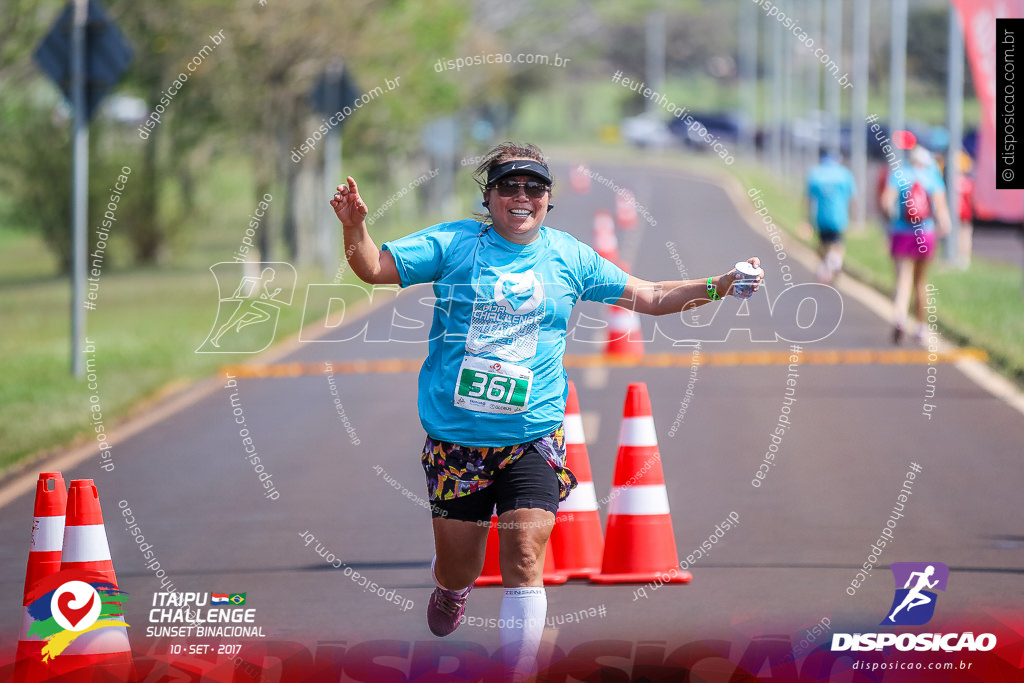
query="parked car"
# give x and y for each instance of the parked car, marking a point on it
(646, 131)
(726, 126)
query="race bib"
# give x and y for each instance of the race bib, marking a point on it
(490, 386)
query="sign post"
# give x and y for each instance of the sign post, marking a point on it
(334, 91)
(85, 54)
(79, 185)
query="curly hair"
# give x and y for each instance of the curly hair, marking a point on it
(506, 151)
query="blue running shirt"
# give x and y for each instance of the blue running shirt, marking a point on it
(831, 186)
(493, 374)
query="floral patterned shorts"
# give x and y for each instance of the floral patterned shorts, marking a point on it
(454, 471)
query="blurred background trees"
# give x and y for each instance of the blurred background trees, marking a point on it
(249, 101)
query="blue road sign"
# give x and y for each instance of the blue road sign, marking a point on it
(334, 90)
(107, 54)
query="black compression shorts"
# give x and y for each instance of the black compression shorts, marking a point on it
(529, 482)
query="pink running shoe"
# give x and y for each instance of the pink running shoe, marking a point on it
(445, 609)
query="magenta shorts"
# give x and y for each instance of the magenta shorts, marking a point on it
(909, 245)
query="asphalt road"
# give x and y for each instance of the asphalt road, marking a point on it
(855, 430)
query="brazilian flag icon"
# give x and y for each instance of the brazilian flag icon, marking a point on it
(237, 598)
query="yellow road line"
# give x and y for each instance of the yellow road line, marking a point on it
(654, 360)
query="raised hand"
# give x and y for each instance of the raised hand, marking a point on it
(348, 206)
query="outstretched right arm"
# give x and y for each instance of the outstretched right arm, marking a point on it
(368, 262)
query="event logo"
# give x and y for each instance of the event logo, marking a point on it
(518, 293)
(70, 604)
(259, 291)
(914, 603)
(505, 322)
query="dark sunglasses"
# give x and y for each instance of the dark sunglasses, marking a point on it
(510, 188)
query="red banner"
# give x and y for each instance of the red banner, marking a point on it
(978, 19)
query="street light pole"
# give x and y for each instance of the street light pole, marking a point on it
(859, 109)
(898, 66)
(776, 122)
(955, 121)
(834, 44)
(748, 76)
(654, 55)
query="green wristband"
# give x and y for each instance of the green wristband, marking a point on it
(712, 293)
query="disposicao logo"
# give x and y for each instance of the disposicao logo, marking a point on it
(917, 580)
(72, 603)
(913, 604)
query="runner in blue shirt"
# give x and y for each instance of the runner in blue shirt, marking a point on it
(492, 389)
(830, 189)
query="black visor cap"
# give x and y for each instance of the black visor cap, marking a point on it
(519, 167)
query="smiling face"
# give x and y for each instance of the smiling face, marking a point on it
(518, 218)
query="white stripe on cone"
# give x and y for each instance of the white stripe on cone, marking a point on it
(573, 428)
(85, 543)
(622, 319)
(583, 498)
(47, 534)
(638, 431)
(639, 500)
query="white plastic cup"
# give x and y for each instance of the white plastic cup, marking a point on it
(743, 287)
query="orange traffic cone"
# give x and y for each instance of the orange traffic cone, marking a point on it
(639, 542)
(625, 209)
(104, 649)
(43, 561)
(491, 573)
(606, 244)
(576, 540)
(579, 178)
(625, 337)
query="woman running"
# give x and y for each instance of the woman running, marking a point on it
(915, 203)
(492, 389)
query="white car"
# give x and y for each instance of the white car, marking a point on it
(646, 130)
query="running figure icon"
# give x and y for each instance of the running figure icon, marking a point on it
(251, 297)
(915, 597)
(251, 310)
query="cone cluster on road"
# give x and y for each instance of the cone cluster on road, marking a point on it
(638, 544)
(69, 543)
(624, 338)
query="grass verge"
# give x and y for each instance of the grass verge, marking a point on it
(145, 328)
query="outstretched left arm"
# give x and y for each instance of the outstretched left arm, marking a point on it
(673, 296)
